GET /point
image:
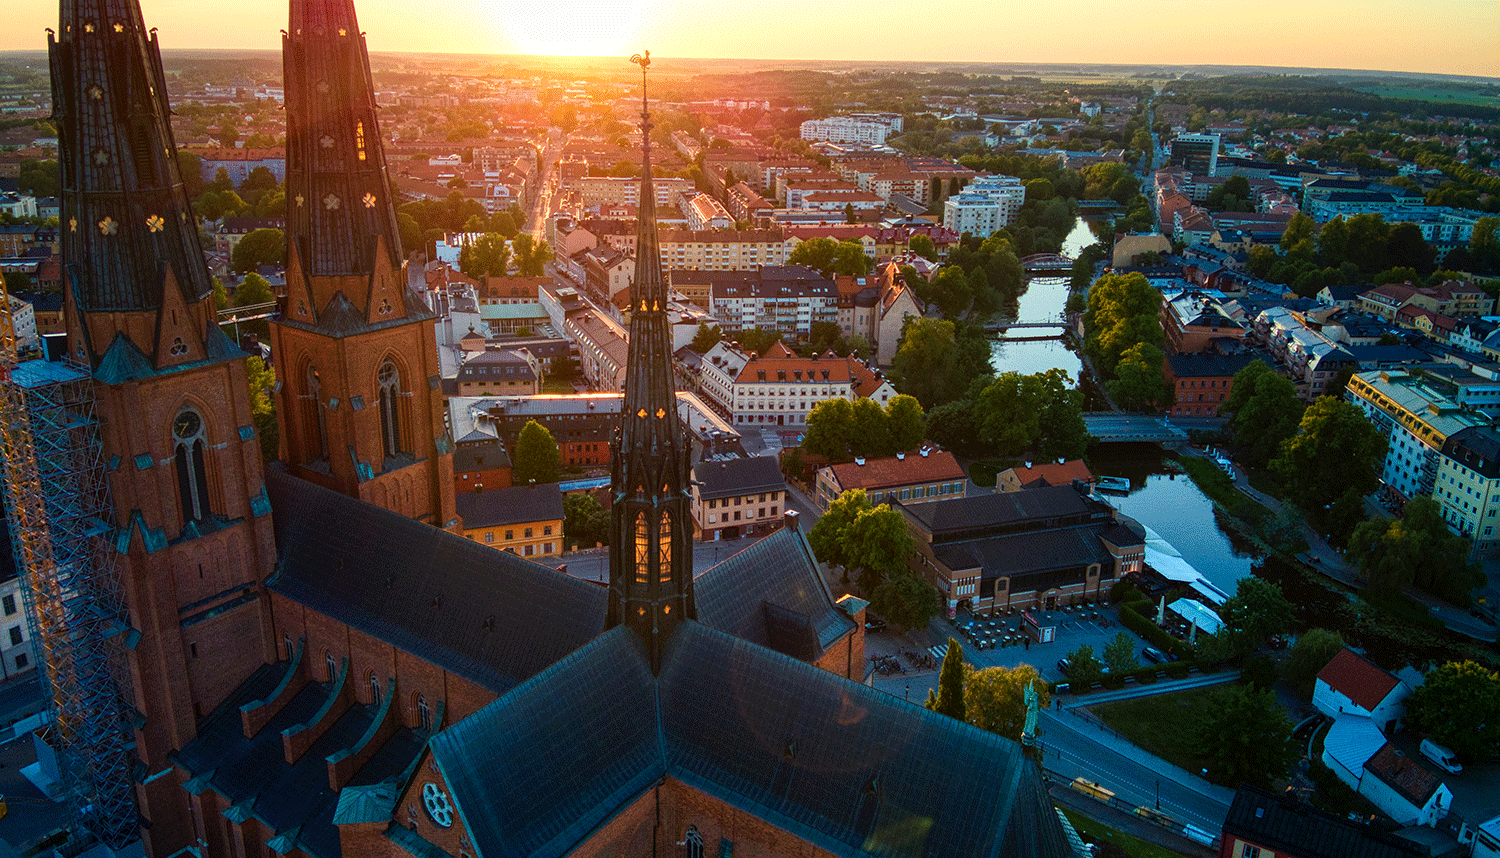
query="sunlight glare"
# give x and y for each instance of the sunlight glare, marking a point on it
(578, 28)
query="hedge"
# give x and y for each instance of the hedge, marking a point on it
(1132, 619)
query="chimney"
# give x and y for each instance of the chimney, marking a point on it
(790, 518)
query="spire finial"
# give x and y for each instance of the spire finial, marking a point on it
(643, 59)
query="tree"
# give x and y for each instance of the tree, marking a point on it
(536, 459)
(254, 290)
(1336, 449)
(922, 246)
(1256, 613)
(1407, 248)
(1123, 310)
(877, 543)
(1298, 234)
(1140, 385)
(261, 381)
(870, 435)
(827, 536)
(906, 422)
(830, 429)
(258, 179)
(1119, 653)
(191, 167)
(706, 338)
(1084, 668)
(221, 181)
(1418, 549)
(1245, 737)
(937, 360)
(215, 205)
(585, 521)
(995, 697)
(1009, 413)
(228, 135)
(260, 247)
(951, 291)
(950, 690)
(905, 600)
(829, 257)
(1310, 654)
(531, 255)
(487, 255)
(1265, 411)
(1457, 706)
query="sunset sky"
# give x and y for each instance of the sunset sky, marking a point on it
(1446, 36)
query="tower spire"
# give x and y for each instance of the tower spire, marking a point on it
(651, 571)
(129, 239)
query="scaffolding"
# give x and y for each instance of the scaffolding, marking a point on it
(57, 501)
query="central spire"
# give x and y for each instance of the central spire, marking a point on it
(650, 559)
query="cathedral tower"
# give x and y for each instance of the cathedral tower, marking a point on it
(360, 403)
(191, 519)
(650, 558)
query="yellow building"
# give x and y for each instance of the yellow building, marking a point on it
(524, 520)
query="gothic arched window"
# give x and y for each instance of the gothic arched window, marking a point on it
(329, 663)
(189, 442)
(374, 688)
(694, 842)
(424, 714)
(664, 549)
(389, 379)
(642, 550)
(359, 140)
(315, 418)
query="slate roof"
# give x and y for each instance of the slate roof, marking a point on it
(1357, 678)
(480, 457)
(511, 505)
(1280, 823)
(847, 768)
(998, 509)
(739, 476)
(781, 571)
(426, 591)
(1020, 553)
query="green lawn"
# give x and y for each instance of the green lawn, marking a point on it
(1095, 831)
(1161, 724)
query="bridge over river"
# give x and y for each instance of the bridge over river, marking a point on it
(1046, 263)
(1119, 427)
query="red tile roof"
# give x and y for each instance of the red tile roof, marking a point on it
(1053, 474)
(913, 468)
(1403, 774)
(1357, 678)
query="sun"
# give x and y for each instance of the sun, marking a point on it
(577, 28)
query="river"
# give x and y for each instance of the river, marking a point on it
(1043, 299)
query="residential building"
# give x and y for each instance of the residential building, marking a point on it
(238, 163)
(1037, 548)
(1306, 355)
(605, 190)
(524, 520)
(1196, 153)
(232, 229)
(737, 497)
(1350, 684)
(925, 474)
(502, 372)
(1197, 321)
(602, 348)
(779, 388)
(607, 270)
(747, 205)
(1467, 486)
(17, 653)
(1264, 824)
(1201, 383)
(1399, 786)
(986, 205)
(1453, 298)
(846, 129)
(480, 465)
(1415, 419)
(1042, 474)
(23, 324)
(705, 213)
(786, 299)
(723, 250)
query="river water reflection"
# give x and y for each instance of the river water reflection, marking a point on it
(1171, 504)
(1043, 300)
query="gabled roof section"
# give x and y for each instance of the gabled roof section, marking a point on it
(510, 505)
(1357, 678)
(738, 476)
(842, 766)
(999, 509)
(1281, 823)
(1403, 774)
(906, 470)
(781, 571)
(486, 615)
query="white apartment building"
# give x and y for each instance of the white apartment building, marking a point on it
(846, 129)
(785, 299)
(1416, 420)
(723, 250)
(987, 204)
(704, 212)
(614, 190)
(1468, 486)
(779, 388)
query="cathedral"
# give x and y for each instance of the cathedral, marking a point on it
(321, 667)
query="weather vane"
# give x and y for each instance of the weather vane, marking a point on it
(643, 59)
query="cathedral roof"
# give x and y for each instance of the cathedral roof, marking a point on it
(486, 615)
(847, 768)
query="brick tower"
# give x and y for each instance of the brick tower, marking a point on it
(360, 403)
(191, 519)
(650, 558)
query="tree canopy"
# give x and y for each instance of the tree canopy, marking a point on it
(937, 360)
(1418, 550)
(829, 257)
(1264, 411)
(537, 459)
(489, 254)
(995, 697)
(841, 430)
(1310, 654)
(1336, 450)
(1245, 736)
(1139, 384)
(1123, 310)
(1255, 613)
(950, 691)
(1457, 706)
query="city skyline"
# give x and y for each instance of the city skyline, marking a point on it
(1453, 37)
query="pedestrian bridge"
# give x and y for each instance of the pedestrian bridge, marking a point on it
(1046, 263)
(1120, 427)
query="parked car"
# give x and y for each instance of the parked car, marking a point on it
(1441, 755)
(1153, 655)
(1063, 664)
(874, 624)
